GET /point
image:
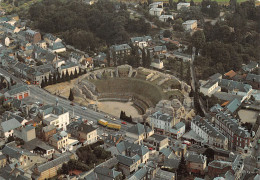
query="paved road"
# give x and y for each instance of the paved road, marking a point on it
(43, 96)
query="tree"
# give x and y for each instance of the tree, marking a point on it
(71, 96)
(46, 81)
(182, 169)
(188, 74)
(50, 80)
(63, 78)
(209, 153)
(108, 58)
(192, 3)
(12, 81)
(198, 40)
(67, 76)
(76, 73)
(55, 78)
(43, 84)
(148, 58)
(144, 58)
(181, 69)
(167, 34)
(65, 168)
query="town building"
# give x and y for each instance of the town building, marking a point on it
(166, 18)
(131, 156)
(157, 64)
(182, 5)
(55, 115)
(19, 157)
(178, 130)
(156, 5)
(208, 132)
(121, 50)
(86, 134)
(156, 11)
(48, 131)
(142, 41)
(50, 168)
(26, 133)
(190, 25)
(18, 91)
(196, 163)
(137, 133)
(161, 122)
(157, 142)
(8, 127)
(218, 168)
(238, 137)
(32, 36)
(59, 141)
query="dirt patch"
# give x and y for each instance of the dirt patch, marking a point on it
(248, 115)
(114, 108)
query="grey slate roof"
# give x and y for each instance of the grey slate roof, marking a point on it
(18, 88)
(196, 158)
(9, 115)
(10, 125)
(207, 127)
(140, 39)
(138, 129)
(105, 171)
(179, 125)
(159, 48)
(215, 76)
(12, 151)
(253, 77)
(140, 174)
(53, 109)
(126, 160)
(81, 127)
(57, 46)
(50, 164)
(171, 163)
(134, 148)
(158, 137)
(120, 47)
(229, 122)
(48, 128)
(233, 105)
(234, 85)
(163, 117)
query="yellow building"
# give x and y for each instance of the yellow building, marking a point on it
(59, 140)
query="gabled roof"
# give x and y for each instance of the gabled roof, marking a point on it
(52, 109)
(134, 148)
(10, 125)
(196, 158)
(171, 163)
(48, 128)
(126, 160)
(50, 164)
(57, 45)
(140, 174)
(12, 151)
(138, 129)
(233, 105)
(18, 88)
(105, 171)
(164, 117)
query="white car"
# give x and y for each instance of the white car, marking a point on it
(83, 107)
(90, 122)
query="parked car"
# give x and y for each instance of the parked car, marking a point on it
(124, 123)
(150, 148)
(72, 104)
(83, 107)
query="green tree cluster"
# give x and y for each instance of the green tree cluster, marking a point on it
(86, 27)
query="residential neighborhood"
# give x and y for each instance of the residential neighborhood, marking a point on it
(116, 90)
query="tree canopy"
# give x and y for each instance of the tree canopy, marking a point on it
(86, 27)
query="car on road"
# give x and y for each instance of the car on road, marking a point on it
(150, 148)
(83, 107)
(90, 122)
(72, 104)
(124, 123)
(113, 119)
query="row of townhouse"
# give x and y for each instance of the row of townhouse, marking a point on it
(238, 137)
(208, 132)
